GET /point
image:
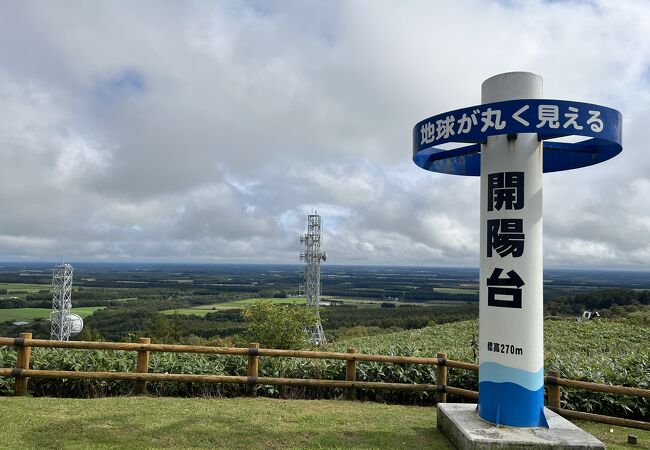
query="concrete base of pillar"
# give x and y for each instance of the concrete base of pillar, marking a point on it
(460, 423)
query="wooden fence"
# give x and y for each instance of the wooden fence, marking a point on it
(141, 376)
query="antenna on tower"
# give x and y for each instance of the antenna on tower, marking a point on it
(312, 255)
(63, 322)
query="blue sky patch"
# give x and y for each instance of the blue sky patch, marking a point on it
(124, 83)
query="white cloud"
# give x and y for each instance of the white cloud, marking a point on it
(206, 131)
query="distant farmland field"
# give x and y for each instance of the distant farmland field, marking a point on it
(446, 290)
(202, 310)
(23, 287)
(27, 314)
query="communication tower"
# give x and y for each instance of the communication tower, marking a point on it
(63, 323)
(312, 255)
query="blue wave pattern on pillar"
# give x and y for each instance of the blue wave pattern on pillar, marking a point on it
(519, 403)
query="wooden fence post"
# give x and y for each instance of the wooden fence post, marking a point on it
(22, 362)
(252, 369)
(441, 377)
(351, 375)
(142, 366)
(554, 391)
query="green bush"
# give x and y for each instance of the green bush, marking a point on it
(600, 351)
(278, 326)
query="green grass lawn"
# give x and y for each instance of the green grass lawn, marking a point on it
(234, 423)
(27, 314)
(615, 438)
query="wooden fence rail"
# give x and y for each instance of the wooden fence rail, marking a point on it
(144, 347)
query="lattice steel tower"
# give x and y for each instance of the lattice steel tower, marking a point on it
(312, 255)
(61, 302)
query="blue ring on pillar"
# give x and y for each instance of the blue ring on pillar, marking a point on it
(549, 119)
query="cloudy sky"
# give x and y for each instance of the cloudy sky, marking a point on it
(205, 131)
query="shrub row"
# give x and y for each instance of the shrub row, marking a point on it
(605, 352)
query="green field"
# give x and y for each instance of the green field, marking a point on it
(187, 311)
(251, 301)
(27, 314)
(233, 423)
(455, 291)
(202, 310)
(22, 287)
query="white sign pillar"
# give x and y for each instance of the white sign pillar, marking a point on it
(511, 373)
(501, 141)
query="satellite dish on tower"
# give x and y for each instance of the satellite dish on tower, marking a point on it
(76, 323)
